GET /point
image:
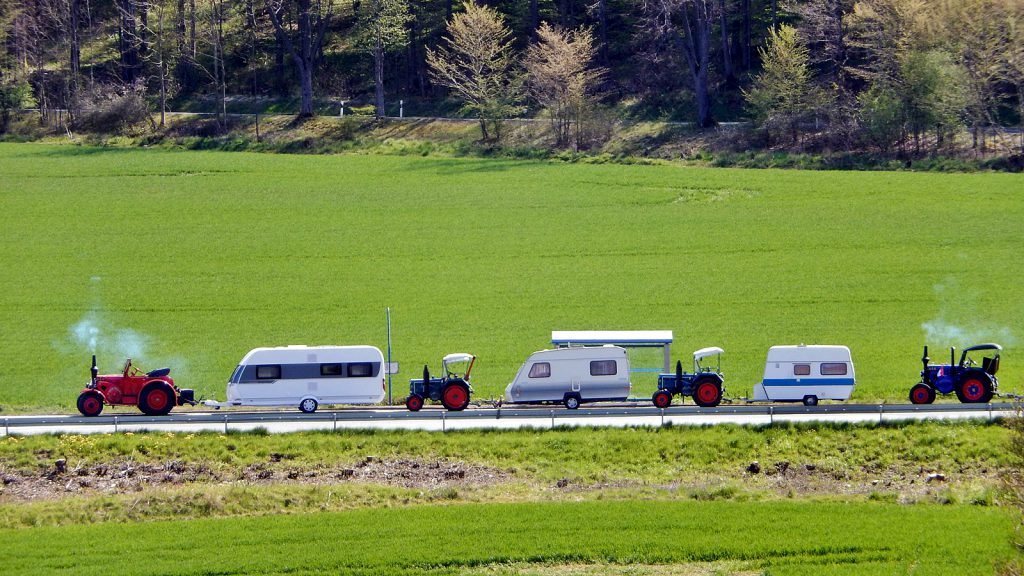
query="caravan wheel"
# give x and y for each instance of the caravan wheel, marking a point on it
(308, 405)
(810, 400)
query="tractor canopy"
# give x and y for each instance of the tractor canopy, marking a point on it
(988, 364)
(458, 365)
(705, 353)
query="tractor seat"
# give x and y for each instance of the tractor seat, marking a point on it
(158, 373)
(990, 365)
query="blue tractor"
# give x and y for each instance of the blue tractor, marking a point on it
(705, 385)
(972, 383)
(452, 389)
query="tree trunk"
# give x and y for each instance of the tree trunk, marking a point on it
(127, 42)
(534, 18)
(378, 76)
(727, 68)
(303, 54)
(76, 52)
(143, 8)
(602, 30)
(192, 29)
(746, 35)
(698, 50)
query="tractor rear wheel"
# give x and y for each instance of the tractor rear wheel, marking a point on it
(90, 403)
(414, 402)
(974, 389)
(662, 399)
(455, 397)
(707, 393)
(156, 400)
(922, 393)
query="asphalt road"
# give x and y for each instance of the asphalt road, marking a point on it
(437, 419)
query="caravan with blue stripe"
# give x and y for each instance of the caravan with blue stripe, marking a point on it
(806, 374)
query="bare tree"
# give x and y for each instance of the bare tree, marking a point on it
(313, 20)
(688, 23)
(476, 61)
(561, 79)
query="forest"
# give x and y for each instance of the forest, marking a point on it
(901, 77)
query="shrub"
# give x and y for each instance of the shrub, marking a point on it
(109, 109)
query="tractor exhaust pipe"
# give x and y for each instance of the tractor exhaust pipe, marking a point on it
(94, 371)
(925, 359)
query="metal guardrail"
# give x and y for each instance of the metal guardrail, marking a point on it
(988, 411)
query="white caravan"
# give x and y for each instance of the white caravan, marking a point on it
(572, 376)
(307, 376)
(806, 374)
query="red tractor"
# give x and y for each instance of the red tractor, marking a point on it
(153, 392)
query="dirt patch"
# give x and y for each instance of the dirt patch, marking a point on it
(904, 484)
(126, 476)
(681, 569)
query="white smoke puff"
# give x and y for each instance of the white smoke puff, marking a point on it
(955, 304)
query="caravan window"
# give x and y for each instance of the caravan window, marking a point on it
(833, 368)
(540, 370)
(331, 369)
(603, 368)
(268, 372)
(801, 369)
(360, 370)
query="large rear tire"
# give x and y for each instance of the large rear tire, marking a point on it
(974, 389)
(707, 393)
(455, 397)
(922, 393)
(90, 403)
(156, 400)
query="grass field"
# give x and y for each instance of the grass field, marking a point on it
(595, 537)
(190, 259)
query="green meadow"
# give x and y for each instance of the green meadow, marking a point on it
(190, 259)
(778, 538)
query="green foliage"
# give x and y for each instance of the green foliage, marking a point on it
(13, 95)
(781, 538)
(783, 94)
(476, 61)
(881, 117)
(488, 256)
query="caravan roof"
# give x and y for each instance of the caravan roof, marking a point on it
(805, 353)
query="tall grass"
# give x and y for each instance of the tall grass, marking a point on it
(777, 538)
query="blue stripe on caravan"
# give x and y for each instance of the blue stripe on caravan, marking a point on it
(808, 382)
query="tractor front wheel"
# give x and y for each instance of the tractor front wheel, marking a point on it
(455, 397)
(974, 390)
(414, 402)
(662, 399)
(707, 394)
(90, 403)
(922, 393)
(156, 400)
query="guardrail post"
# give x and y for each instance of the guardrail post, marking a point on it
(7, 426)
(552, 419)
(115, 424)
(225, 423)
(879, 414)
(335, 421)
(771, 415)
(989, 411)
(443, 426)
(662, 417)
